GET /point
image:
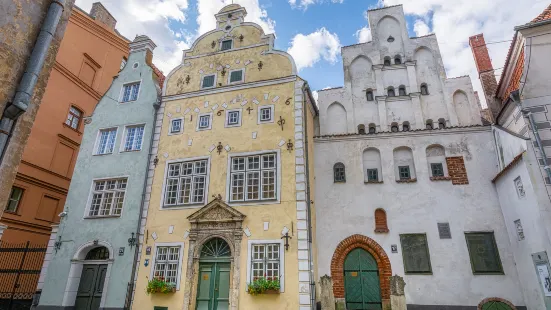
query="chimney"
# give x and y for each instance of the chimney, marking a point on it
(143, 43)
(486, 72)
(100, 13)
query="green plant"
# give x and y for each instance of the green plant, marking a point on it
(159, 285)
(261, 285)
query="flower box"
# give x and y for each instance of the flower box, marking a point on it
(264, 286)
(160, 286)
(271, 292)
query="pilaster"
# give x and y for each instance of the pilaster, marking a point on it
(412, 77)
(381, 105)
(47, 257)
(379, 80)
(417, 110)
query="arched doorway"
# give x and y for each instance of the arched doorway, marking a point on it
(213, 289)
(361, 281)
(496, 303)
(92, 279)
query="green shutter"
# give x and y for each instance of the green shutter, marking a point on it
(236, 76)
(483, 253)
(226, 45)
(415, 252)
(208, 81)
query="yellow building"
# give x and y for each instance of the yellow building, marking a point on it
(231, 177)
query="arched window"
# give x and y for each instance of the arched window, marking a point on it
(397, 60)
(390, 92)
(215, 248)
(361, 129)
(405, 126)
(402, 90)
(99, 253)
(441, 123)
(339, 173)
(369, 95)
(436, 158)
(424, 89)
(380, 221)
(372, 128)
(387, 61)
(394, 127)
(404, 167)
(428, 124)
(372, 166)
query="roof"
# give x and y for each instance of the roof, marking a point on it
(159, 75)
(399, 132)
(545, 15)
(384, 7)
(509, 166)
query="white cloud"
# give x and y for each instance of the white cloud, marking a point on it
(363, 35)
(309, 49)
(421, 28)
(315, 95)
(455, 21)
(208, 8)
(303, 4)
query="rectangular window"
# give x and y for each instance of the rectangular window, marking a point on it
(236, 76)
(265, 114)
(415, 252)
(265, 261)
(186, 183)
(233, 118)
(130, 92)
(372, 175)
(134, 138)
(404, 172)
(167, 261)
(253, 178)
(106, 141)
(74, 117)
(107, 197)
(15, 198)
(176, 125)
(226, 45)
(123, 63)
(483, 253)
(204, 122)
(437, 169)
(208, 81)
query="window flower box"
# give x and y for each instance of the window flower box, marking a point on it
(264, 286)
(159, 285)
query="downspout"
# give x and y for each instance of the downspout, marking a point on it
(515, 96)
(26, 86)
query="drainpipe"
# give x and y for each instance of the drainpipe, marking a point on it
(515, 96)
(26, 86)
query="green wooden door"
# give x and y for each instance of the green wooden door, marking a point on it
(495, 305)
(90, 288)
(214, 286)
(361, 281)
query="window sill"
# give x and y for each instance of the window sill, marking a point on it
(73, 129)
(12, 212)
(131, 151)
(105, 154)
(175, 133)
(373, 182)
(182, 206)
(122, 102)
(407, 181)
(254, 202)
(101, 217)
(428, 273)
(381, 230)
(500, 273)
(440, 178)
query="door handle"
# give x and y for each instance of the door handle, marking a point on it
(215, 288)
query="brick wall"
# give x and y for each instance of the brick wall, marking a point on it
(514, 84)
(457, 170)
(100, 13)
(380, 221)
(486, 72)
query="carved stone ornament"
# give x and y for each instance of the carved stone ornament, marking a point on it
(87, 120)
(397, 285)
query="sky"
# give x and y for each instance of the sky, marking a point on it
(313, 31)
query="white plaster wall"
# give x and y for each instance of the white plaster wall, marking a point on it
(399, 111)
(508, 146)
(417, 208)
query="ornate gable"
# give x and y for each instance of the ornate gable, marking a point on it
(216, 211)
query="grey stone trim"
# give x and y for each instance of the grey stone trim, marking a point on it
(47, 257)
(543, 125)
(543, 142)
(443, 307)
(537, 109)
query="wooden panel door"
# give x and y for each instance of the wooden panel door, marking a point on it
(90, 288)
(361, 281)
(214, 286)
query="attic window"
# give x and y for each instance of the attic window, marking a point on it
(228, 27)
(226, 45)
(390, 39)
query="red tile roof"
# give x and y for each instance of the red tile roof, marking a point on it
(159, 75)
(545, 15)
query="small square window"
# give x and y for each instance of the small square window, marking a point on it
(236, 76)
(226, 45)
(130, 92)
(404, 172)
(437, 169)
(15, 199)
(372, 175)
(208, 81)
(265, 114)
(73, 118)
(106, 141)
(204, 122)
(233, 118)
(134, 138)
(176, 126)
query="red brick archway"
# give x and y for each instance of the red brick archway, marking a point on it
(481, 304)
(368, 244)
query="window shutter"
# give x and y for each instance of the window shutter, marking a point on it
(226, 45)
(208, 81)
(236, 76)
(444, 231)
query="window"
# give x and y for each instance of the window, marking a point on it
(123, 63)
(226, 45)
(107, 197)
(387, 61)
(369, 95)
(484, 253)
(394, 127)
(339, 173)
(404, 172)
(208, 81)
(167, 263)
(521, 193)
(415, 252)
(402, 91)
(361, 129)
(233, 118)
(186, 183)
(265, 261)
(424, 89)
(397, 59)
(236, 76)
(372, 129)
(204, 121)
(372, 175)
(441, 123)
(15, 198)
(106, 141)
(391, 92)
(130, 92)
(176, 126)
(134, 138)
(428, 125)
(405, 126)
(253, 178)
(266, 114)
(74, 117)
(437, 169)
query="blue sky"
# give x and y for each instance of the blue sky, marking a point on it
(313, 31)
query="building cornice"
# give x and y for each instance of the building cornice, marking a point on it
(25, 224)
(509, 166)
(90, 25)
(53, 187)
(68, 74)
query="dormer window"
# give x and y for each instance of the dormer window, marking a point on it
(361, 129)
(397, 60)
(372, 129)
(402, 91)
(405, 126)
(387, 61)
(441, 123)
(390, 92)
(226, 45)
(428, 124)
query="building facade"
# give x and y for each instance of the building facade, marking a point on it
(229, 195)
(406, 171)
(90, 258)
(89, 56)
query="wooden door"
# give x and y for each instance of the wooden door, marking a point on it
(213, 290)
(90, 288)
(361, 281)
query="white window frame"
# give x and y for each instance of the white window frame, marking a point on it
(122, 91)
(204, 76)
(227, 121)
(222, 41)
(180, 262)
(91, 194)
(207, 181)
(199, 119)
(170, 133)
(123, 140)
(242, 76)
(98, 136)
(281, 259)
(277, 199)
(271, 106)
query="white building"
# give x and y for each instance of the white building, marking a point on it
(404, 171)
